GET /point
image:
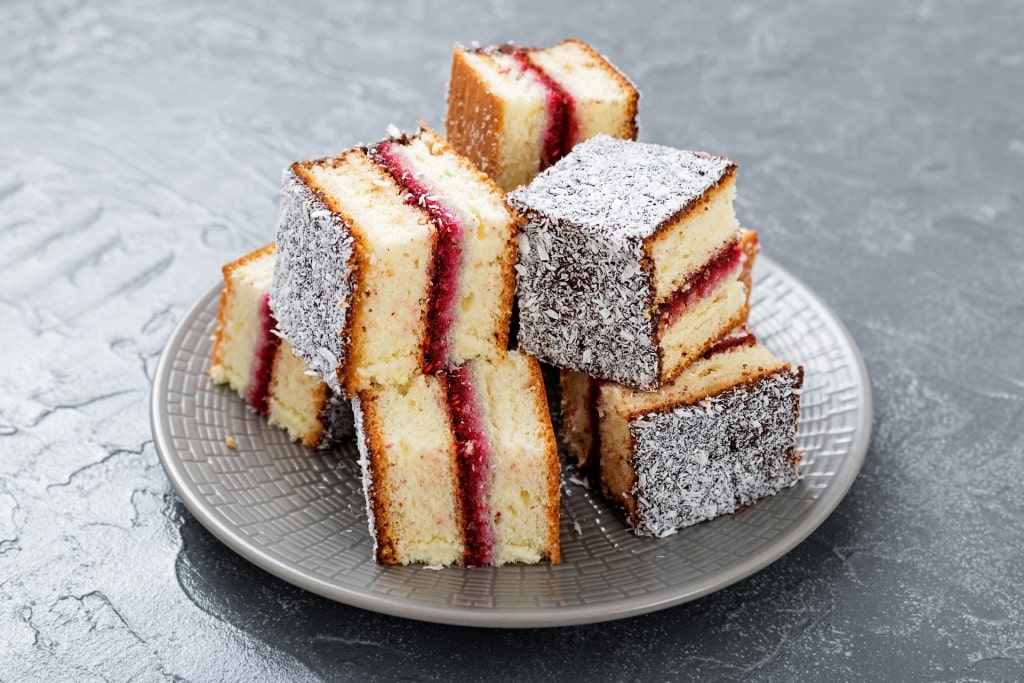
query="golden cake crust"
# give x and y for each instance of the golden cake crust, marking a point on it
(475, 115)
(751, 248)
(376, 496)
(554, 468)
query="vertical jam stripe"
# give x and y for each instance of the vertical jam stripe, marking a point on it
(474, 467)
(441, 311)
(267, 342)
(562, 127)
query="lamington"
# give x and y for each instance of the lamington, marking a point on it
(577, 427)
(461, 467)
(514, 111)
(393, 260)
(250, 357)
(630, 260)
(719, 437)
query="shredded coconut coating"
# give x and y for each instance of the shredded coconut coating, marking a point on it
(698, 461)
(584, 284)
(312, 283)
(624, 189)
(582, 299)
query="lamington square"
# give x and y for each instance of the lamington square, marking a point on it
(393, 260)
(250, 357)
(718, 438)
(630, 260)
(461, 467)
(514, 110)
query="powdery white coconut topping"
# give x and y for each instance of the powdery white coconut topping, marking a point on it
(621, 188)
(698, 461)
(312, 283)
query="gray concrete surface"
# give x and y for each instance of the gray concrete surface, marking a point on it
(881, 153)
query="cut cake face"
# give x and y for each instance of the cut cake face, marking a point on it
(393, 259)
(461, 467)
(250, 357)
(514, 111)
(721, 436)
(630, 260)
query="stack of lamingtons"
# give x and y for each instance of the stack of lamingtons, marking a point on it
(634, 278)
(393, 283)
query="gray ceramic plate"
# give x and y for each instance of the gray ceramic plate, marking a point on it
(299, 514)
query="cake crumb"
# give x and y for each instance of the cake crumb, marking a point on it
(230, 441)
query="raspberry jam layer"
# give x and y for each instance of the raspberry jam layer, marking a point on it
(474, 466)
(741, 336)
(721, 266)
(263, 362)
(562, 127)
(441, 309)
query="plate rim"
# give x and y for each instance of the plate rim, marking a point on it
(518, 617)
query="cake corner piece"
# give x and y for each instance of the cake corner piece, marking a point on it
(249, 356)
(649, 260)
(394, 259)
(720, 437)
(515, 111)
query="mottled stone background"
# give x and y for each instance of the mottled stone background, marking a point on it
(881, 148)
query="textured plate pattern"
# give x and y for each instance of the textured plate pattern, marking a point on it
(299, 514)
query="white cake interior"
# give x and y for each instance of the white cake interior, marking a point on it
(485, 272)
(524, 487)
(602, 97)
(296, 398)
(524, 117)
(411, 457)
(682, 248)
(247, 281)
(410, 441)
(395, 243)
(703, 323)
